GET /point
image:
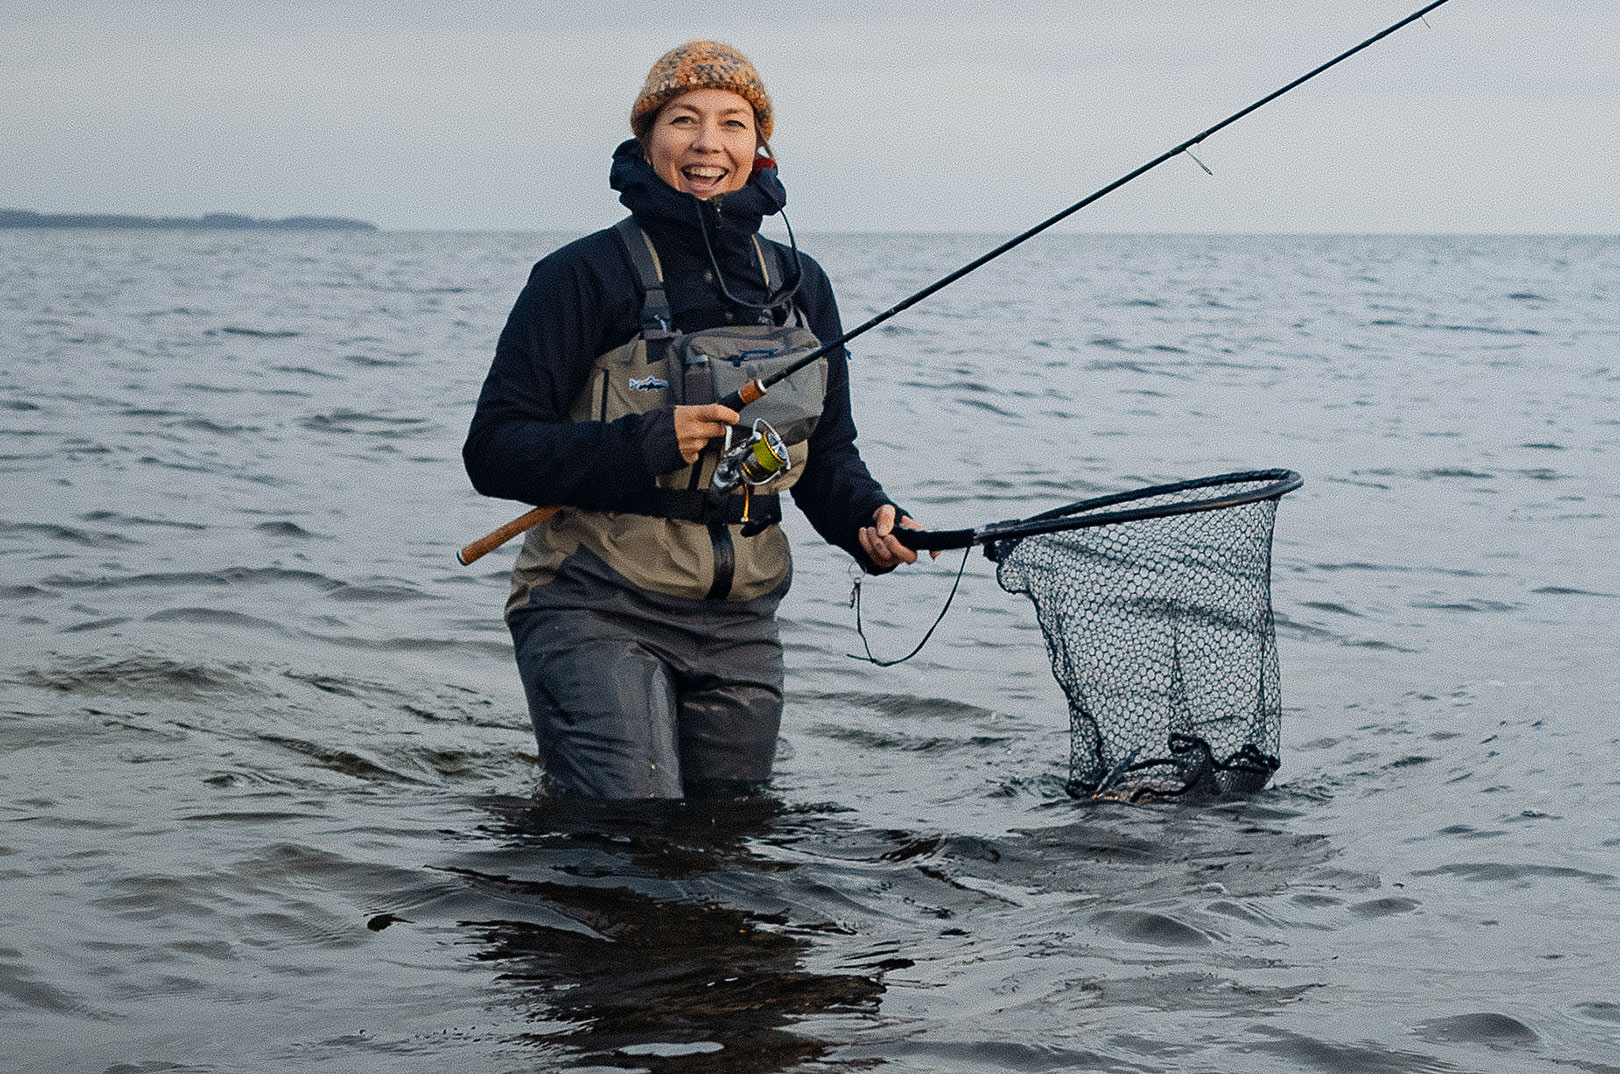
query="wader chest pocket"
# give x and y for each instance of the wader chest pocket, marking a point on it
(717, 362)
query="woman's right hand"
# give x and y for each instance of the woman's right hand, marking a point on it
(695, 426)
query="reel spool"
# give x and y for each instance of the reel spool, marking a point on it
(757, 461)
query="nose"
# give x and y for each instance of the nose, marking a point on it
(708, 137)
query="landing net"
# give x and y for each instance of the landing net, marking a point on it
(1156, 608)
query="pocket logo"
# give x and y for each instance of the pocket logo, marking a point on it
(647, 384)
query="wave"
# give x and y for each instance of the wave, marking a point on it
(261, 333)
(380, 591)
(143, 675)
(48, 532)
(365, 424)
(140, 520)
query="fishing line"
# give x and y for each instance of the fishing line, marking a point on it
(1200, 163)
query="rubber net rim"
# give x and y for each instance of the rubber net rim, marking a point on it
(1226, 490)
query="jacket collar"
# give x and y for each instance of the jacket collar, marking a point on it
(732, 219)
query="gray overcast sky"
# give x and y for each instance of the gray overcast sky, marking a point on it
(941, 116)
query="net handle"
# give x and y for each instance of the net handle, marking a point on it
(934, 540)
(1073, 517)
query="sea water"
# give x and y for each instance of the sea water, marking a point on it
(268, 786)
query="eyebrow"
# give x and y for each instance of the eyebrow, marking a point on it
(729, 110)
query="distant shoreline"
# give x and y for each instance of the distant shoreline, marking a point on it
(23, 218)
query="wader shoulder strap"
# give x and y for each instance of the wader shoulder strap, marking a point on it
(773, 266)
(656, 327)
(770, 258)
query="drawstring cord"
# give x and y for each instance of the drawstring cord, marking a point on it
(773, 299)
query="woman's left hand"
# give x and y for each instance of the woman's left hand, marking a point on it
(879, 543)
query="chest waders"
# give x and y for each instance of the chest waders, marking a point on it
(686, 538)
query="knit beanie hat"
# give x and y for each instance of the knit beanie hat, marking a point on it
(700, 65)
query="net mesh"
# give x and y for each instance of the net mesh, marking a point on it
(1160, 633)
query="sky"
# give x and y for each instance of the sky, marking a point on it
(1493, 116)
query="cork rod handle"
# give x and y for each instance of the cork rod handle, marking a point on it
(491, 541)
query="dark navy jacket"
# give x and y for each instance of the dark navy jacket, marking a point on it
(583, 300)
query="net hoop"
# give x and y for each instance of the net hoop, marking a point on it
(1227, 490)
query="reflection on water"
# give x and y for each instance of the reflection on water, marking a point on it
(676, 937)
(640, 978)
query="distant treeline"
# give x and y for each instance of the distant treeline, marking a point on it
(209, 222)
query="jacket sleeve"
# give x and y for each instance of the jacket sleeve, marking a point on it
(836, 491)
(522, 445)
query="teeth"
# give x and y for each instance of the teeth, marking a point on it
(705, 173)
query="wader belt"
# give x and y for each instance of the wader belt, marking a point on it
(712, 509)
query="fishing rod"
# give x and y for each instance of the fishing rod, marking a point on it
(755, 389)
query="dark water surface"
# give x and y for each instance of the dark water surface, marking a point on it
(268, 785)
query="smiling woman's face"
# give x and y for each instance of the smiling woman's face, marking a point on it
(703, 142)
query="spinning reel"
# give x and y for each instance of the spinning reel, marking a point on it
(756, 461)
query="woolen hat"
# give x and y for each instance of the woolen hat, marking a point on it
(700, 65)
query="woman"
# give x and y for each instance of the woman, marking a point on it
(643, 612)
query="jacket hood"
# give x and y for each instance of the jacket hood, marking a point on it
(654, 201)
